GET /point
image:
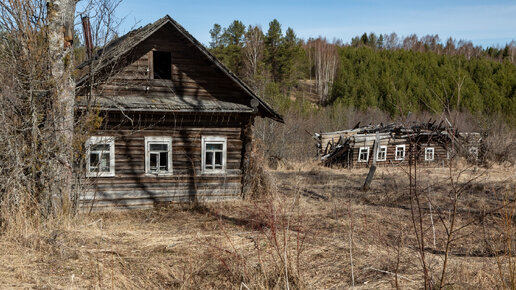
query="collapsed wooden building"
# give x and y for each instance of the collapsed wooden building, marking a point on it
(429, 144)
(176, 123)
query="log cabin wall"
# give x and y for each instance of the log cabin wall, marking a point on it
(132, 187)
(193, 77)
(351, 159)
(158, 81)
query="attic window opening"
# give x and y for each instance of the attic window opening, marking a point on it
(162, 67)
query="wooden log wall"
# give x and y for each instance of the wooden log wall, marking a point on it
(440, 151)
(131, 187)
(192, 74)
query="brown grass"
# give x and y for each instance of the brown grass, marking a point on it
(241, 243)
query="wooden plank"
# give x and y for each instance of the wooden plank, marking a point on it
(155, 193)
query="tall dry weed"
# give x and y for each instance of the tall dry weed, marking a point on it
(271, 255)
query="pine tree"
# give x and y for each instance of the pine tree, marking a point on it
(273, 40)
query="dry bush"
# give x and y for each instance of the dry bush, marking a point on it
(257, 180)
(500, 141)
(273, 258)
(502, 242)
(33, 187)
(30, 167)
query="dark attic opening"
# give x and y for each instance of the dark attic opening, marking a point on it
(162, 65)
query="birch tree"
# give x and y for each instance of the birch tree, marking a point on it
(253, 52)
(36, 109)
(323, 62)
(60, 17)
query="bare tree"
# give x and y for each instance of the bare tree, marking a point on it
(60, 17)
(391, 41)
(323, 61)
(253, 51)
(37, 105)
(37, 99)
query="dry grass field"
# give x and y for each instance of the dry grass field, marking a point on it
(317, 230)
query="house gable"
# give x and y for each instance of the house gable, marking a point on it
(198, 81)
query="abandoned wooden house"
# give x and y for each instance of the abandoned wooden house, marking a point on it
(176, 123)
(427, 143)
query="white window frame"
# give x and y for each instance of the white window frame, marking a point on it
(217, 140)
(427, 152)
(473, 152)
(384, 148)
(158, 140)
(96, 140)
(396, 152)
(360, 153)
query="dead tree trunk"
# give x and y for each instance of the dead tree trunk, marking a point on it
(60, 37)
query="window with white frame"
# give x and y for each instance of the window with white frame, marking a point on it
(473, 153)
(100, 156)
(363, 154)
(214, 154)
(382, 153)
(158, 155)
(400, 152)
(429, 154)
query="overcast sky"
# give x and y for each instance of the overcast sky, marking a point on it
(486, 23)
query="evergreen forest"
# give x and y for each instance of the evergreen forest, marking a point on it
(396, 75)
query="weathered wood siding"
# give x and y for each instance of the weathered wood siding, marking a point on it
(131, 187)
(193, 75)
(350, 158)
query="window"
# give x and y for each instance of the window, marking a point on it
(100, 157)
(213, 154)
(382, 153)
(158, 155)
(473, 153)
(400, 152)
(429, 154)
(161, 63)
(363, 154)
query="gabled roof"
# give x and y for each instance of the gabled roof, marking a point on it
(122, 46)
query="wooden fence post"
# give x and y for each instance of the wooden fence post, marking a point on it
(372, 170)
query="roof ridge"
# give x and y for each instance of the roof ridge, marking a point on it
(146, 32)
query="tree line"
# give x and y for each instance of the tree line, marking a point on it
(392, 73)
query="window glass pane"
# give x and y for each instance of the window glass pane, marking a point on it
(163, 161)
(209, 160)
(153, 162)
(400, 152)
(158, 147)
(218, 158)
(211, 146)
(104, 162)
(94, 162)
(100, 147)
